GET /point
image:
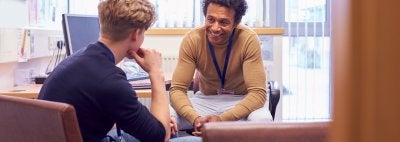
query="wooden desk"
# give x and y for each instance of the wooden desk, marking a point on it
(32, 91)
(25, 91)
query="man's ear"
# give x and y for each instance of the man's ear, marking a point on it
(134, 34)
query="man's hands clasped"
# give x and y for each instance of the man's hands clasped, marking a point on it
(200, 121)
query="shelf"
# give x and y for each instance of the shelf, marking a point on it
(182, 31)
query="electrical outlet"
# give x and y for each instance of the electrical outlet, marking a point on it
(52, 41)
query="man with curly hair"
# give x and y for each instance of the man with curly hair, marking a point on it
(227, 58)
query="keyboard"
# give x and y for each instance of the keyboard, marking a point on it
(146, 84)
(141, 84)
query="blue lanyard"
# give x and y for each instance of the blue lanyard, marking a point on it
(109, 53)
(222, 76)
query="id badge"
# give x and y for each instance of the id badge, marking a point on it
(222, 91)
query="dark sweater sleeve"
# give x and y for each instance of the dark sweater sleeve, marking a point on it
(121, 104)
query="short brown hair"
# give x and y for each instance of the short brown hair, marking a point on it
(118, 18)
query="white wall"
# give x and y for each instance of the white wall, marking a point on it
(6, 75)
(275, 72)
(18, 18)
(167, 45)
(15, 73)
(14, 12)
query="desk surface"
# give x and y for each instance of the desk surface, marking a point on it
(32, 91)
(25, 91)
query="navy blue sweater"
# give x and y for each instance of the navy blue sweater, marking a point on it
(101, 95)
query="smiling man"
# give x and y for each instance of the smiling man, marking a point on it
(227, 58)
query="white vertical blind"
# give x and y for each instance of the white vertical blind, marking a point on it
(257, 14)
(174, 13)
(306, 61)
(188, 13)
(183, 13)
(88, 7)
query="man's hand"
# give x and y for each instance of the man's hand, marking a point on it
(213, 118)
(200, 121)
(198, 124)
(174, 126)
(149, 59)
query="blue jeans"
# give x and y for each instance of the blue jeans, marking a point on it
(129, 138)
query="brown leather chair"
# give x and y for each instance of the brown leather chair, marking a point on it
(31, 120)
(248, 131)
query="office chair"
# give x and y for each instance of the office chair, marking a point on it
(274, 97)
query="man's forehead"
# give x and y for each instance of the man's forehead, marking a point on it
(220, 12)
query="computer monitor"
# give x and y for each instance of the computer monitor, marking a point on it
(79, 31)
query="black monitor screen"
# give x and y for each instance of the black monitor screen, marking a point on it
(79, 31)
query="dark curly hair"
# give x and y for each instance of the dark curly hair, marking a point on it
(240, 7)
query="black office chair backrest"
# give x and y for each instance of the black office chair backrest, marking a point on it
(274, 96)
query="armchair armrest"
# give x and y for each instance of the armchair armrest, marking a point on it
(262, 132)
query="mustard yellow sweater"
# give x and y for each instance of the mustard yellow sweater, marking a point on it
(245, 73)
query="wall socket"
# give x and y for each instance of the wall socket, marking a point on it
(52, 41)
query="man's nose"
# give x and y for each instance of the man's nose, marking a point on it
(215, 27)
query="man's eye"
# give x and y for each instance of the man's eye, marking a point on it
(210, 20)
(224, 22)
